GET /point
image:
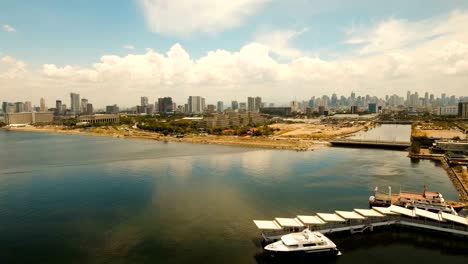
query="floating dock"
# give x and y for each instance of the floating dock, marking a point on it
(359, 220)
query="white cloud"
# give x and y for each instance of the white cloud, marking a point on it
(129, 47)
(182, 17)
(279, 42)
(254, 69)
(11, 67)
(453, 58)
(394, 34)
(8, 28)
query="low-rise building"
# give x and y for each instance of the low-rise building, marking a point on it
(279, 111)
(99, 118)
(29, 118)
(452, 146)
(447, 111)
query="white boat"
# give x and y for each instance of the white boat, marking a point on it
(305, 243)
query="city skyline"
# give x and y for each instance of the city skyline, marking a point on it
(139, 47)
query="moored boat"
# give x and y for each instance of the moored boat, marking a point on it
(302, 244)
(430, 201)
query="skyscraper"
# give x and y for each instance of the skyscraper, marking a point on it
(43, 105)
(27, 106)
(250, 104)
(144, 101)
(258, 104)
(234, 105)
(75, 103)
(58, 107)
(4, 107)
(165, 105)
(89, 109)
(220, 106)
(84, 106)
(19, 107)
(196, 104)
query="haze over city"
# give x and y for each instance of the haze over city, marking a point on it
(280, 50)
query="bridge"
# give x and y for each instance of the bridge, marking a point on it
(370, 143)
(361, 220)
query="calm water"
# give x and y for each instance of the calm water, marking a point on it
(80, 199)
(386, 132)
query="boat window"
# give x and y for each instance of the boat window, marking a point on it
(309, 245)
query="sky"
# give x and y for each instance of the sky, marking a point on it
(114, 52)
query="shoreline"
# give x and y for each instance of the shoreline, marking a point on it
(298, 144)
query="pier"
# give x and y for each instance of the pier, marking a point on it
(360, 220)
(401, 145)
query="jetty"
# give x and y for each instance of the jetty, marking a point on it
(346, 142)
(360, 220)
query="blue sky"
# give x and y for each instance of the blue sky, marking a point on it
(77, 33)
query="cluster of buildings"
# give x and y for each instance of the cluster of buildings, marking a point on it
(196, 105)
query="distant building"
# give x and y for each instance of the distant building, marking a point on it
(58, 107)
(278, 111)
(29, 118)
(196, 104)
(165, 105)
(463, 110)
(84, 106)
(112, 109)
(75, 103)
(210, 108)
(89, 109)
(19, 107)
(234, 105)
(242, 107)
(372, 108)
(94, 119)
(232, 119)
(321, 110)
(27, 106)
(447, 111)
(43, 105)
(220, 106)
(354, 109)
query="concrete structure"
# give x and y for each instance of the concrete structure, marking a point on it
(371, 143)
(232, 119)
(75, 103)
(29, 118)
(278, 111)
(94, 119)
(19, 107)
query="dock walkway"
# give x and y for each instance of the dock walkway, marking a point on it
(360, 220)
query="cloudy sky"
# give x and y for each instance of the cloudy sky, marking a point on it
(116, 51)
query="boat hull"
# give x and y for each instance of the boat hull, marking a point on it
(306, 253)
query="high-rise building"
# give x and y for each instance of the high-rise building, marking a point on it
(19, 107)
(144, 101)
(334, 100)
(165, 105)
(250, 104)
(234, 105)
(75, 103)
(4, 107)
(408, 101)
(84, 106)
(258, 104)
(196, 104)
(220, 106)
(58, 107)
(11, 108)
(43, 105)
(27, 106)
(89, 109)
